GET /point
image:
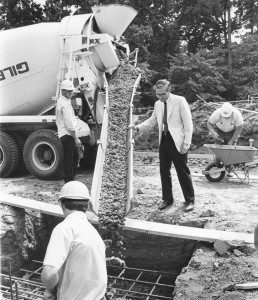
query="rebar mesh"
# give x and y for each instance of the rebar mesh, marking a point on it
(126, 283)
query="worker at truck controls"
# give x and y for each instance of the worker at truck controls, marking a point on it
(67, 126)
(173, 116)
(74, 267)
(225, 124)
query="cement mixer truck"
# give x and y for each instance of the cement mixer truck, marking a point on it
(34, 60)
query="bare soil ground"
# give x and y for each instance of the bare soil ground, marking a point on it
(227, 205)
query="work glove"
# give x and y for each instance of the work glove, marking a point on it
(50, 295)
(218, 139)
(117, 262)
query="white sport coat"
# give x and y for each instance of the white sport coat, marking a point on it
(179, 120)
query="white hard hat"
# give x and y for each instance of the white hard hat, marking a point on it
(67, 85)
(226, 110)
(74, 190)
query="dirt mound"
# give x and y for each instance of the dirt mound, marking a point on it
(210, 276)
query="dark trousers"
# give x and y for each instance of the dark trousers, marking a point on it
(227, 136)
(168, 153)
(71, 157)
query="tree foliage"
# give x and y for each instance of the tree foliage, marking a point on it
(16, 13)
(247, 10)
(185, 41)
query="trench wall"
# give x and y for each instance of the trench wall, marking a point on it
(25, 235)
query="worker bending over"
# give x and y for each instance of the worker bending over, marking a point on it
(225, 124)
(74, 267)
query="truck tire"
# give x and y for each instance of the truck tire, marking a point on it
(9, 155)
(89, 157)
(214, 177)
(20, 141)
(43, 154)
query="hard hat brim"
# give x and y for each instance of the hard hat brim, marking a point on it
(68, 89)
(73, 198)
(226, 115)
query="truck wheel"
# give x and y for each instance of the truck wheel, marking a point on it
(89, 157)
(214, 177)
(43, 154)
(20, 141)
(9, 155)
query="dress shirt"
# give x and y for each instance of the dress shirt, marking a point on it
(65, 117)
(78, 251)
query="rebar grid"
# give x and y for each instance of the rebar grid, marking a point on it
(127, 283)
(142, 284)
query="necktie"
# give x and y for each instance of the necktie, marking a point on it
(165, 118)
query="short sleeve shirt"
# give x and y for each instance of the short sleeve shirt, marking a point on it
(78, 252)
(65, 117)
(226, 124)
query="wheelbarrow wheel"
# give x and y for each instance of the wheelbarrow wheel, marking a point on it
(217, 176)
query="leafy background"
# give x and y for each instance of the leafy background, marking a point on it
(189, 42)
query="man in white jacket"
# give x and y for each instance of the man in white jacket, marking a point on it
(173, 116)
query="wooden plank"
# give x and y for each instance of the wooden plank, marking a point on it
(190, 155)
(184, 232)
(246, 286)
(146, 153)
(191, 233)
(43, 207)
(201, 156)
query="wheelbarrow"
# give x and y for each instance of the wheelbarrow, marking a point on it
(229, 158)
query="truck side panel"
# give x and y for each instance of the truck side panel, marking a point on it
(28, 77)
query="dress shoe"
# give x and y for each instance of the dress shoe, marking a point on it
(189, 207)
(164, 205)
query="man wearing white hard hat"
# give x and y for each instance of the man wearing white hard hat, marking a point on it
(67, 130)
(225, 124)
(74, 266)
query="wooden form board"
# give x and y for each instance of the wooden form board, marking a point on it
(190, 233)
(190, 155)
(43, 207)
(184, 232)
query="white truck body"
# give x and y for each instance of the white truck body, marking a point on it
(29, 66)
(34, 60)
